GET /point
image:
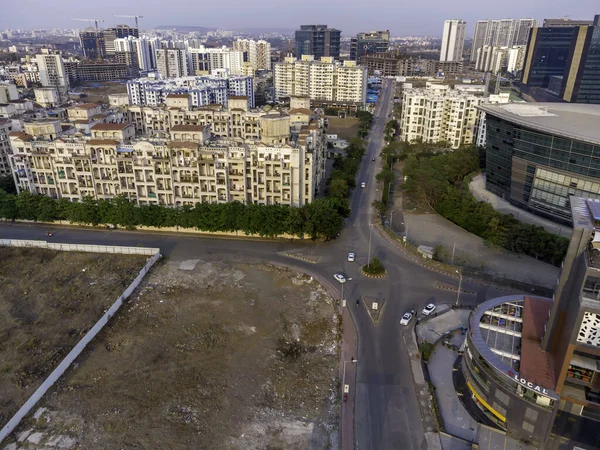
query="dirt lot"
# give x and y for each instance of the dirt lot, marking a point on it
(218, 357)
(98, 92)
(344, 128)
(48, 301)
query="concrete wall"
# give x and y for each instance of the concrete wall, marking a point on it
(80, 247)
(81, 345)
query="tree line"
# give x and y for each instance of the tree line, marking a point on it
(439, 180)
(321, 219)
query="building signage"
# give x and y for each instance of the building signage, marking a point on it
(528, 384)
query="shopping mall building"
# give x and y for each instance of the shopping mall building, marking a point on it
(532, 364)
(540, 154)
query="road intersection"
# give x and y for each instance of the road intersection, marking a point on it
(381, 387)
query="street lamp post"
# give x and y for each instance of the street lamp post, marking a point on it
(459, 286)
(352, 360)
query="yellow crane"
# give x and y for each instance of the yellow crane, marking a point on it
(132, 17)
(97, 34)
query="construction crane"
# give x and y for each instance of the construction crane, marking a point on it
(132, 17)
(97, 33)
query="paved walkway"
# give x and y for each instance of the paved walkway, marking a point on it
(457, 420)
(477, 188)
(473, 252)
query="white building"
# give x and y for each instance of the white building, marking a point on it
(453, 40)
(202, 90)
(47, 97)
(8, 92)
(324, 80)
(204, 60)
(501, 33)
(258, 52)
(171, 62)
(439, 113)
(503, 97)
(516, 59)
(52, 70)
(5, 150)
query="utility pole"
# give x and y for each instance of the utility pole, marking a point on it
(459, 286)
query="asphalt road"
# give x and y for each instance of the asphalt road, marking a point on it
(387, 414)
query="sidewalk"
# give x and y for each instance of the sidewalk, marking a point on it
(430, 422)
(477, 188)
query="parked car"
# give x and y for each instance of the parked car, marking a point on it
(351, 257)
(340, 277)
(406, 318)
(363, 185)
(429, 309)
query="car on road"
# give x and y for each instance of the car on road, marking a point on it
(351, 256)
(406, 318)
(340, 277)
(429, 309)
(373, 159)
(363, 185)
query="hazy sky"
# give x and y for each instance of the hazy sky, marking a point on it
(402, 18)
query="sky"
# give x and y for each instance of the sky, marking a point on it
(402, 18)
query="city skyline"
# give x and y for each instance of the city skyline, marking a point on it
(420, 20)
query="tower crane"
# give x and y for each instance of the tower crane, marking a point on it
(97, 32)
(132, 17)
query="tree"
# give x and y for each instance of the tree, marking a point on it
(338, 188)
(7, 184)
(386, 176)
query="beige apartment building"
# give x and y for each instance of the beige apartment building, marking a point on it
(439, 113)
(324, 80)
(253, 159)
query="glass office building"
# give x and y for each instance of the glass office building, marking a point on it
(317, 40)
(538, 155)
(566, 61)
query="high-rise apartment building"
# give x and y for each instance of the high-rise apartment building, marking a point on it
(324, 80)
(257, 53)
(92, 43)
(479, 38)
(566, 22)
(171, 62)
(501, 33)
(453, 40)
(369, 43)
(205, 60)
(318, 41)
(118, 32)
(441, 114)
(52, 69)
(565, 60)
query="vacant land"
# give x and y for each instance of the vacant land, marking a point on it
(98, 92)
(48, 300)
(344, 128)
(217, 357)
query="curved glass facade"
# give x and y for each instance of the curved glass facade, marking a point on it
(539, 171)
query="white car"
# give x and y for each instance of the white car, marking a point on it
(406, 318)
(363, 185)
(351, 257)
(428, 309)
(340, 277)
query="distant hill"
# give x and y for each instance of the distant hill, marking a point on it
(185, 28)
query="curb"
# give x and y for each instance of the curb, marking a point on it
(453, 289)
(368, 275)
(303, 258)
(423, 264)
